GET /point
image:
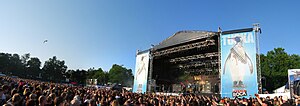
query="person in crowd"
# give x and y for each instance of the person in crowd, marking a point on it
(2, 97)
(42, 100)
(17, 100)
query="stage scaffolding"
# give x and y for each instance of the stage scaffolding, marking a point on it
(193, 62)
(190, 59)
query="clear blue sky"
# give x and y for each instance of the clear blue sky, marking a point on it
(100, 33)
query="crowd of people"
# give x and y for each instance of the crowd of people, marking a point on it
(25, 92)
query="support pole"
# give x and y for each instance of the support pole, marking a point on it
(257, 30)
(150, 72)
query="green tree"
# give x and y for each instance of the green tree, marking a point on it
(275, 65)
(33, 67)
(15, 65)
(90, 73)
(4, 62)
(78, 76)
(101, 76)
(119, 74)
(25, 58)
(54, 70)
(70, 76)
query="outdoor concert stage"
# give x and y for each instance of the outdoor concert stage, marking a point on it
(188, 61)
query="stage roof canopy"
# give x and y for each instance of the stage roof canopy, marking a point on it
(183, 37)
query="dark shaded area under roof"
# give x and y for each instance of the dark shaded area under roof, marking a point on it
(183, 37)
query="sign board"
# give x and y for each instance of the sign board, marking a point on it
(238, 64)
(141, 72)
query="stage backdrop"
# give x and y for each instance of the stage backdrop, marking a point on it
(141, 72)
(238, 65)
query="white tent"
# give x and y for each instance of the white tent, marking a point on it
(280, 90)
(287, 94)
